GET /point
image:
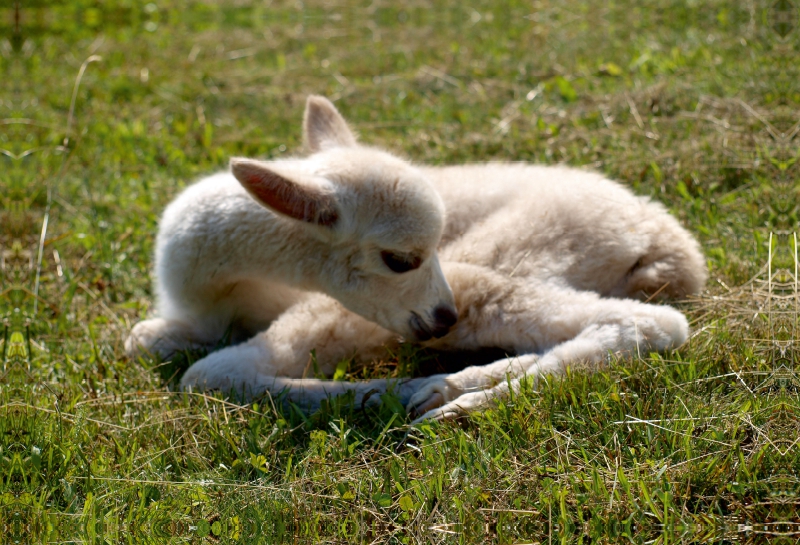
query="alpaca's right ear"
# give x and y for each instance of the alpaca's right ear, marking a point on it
(324, 127)
(298, 199)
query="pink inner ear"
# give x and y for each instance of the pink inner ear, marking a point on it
(292, 199)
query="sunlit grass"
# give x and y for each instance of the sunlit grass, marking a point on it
(693, 104)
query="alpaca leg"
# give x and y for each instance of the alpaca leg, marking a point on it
(276, 360)
(162, 337)
(565, 326)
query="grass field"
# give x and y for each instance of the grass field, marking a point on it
(107, 110)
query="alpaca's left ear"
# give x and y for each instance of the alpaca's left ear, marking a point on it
(285, 193)
(324, 127)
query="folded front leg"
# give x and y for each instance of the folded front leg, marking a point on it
(162, 337)
(280, 357)
(561, 324)
(477, 387)
(438, 390)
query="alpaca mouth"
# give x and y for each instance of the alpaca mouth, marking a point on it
(420, 329)
(445, 318)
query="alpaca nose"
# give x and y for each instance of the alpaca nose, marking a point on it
(444, 318)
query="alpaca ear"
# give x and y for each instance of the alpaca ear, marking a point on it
(324, 127)
(303, 201)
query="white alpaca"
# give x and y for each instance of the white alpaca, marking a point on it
(349, 250)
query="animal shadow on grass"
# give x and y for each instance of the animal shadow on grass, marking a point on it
(408, 361)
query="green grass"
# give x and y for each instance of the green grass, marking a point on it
(692, 103)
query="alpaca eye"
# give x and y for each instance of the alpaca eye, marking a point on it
(399, 263)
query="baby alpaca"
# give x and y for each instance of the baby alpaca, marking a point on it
(351, 249)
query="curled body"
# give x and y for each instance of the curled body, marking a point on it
(351, 250)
